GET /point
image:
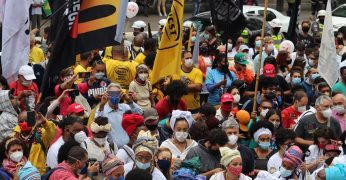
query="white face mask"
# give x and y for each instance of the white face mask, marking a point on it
(188, 62)
(143, 76)
(80, 137)
(264, 112)
(340, 109)
(327, 113)
(276, 124)
(181, 136)
(26, 83)
(229, 46)
(101, 141)
(16, 156)
(136, 48)
(236, 98)
(301, 109)
(232, 139)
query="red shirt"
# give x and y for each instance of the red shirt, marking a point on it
(289, 117)
(18, 88)
(163, 108)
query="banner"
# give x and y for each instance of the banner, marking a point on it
(292, 32)
(15, 37)
(328, 66)
(227, 17)
(168, 57)
(83, 26)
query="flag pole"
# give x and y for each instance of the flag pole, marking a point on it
(260, 55)
(190, 36)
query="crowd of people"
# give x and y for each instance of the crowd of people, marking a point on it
(107, 120)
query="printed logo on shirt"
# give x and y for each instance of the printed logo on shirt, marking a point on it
(96, 91)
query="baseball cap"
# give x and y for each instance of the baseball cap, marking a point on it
(269, 70)
(227, 98)
(240, 58)
(275, 23)
(243, 47)
(331, 148)
(27, 72)
(243, 118)
(150, 113)
(139, 24)
(75, 108)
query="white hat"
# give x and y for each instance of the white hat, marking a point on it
(187, 24)
(27, 72)
(162, 22)
(243, 47)
(276, 23)
(321, 13)
(139, 24)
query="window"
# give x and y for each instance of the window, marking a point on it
(340, 12)
(270, 14)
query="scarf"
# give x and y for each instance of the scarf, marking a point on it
(11, 166)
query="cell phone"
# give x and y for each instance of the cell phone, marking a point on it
(84, 75)
(92, 161)
(114, 93)
(31, 118)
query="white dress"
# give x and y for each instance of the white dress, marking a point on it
(175, 151)
(220, 176)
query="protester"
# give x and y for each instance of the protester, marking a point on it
(113, 168)
(163, 160)
(179, 145)
(83, 67)
(240, 69)
(291, 114)
(291, 161)
(224, 112)
(9, 107)
(339, 102)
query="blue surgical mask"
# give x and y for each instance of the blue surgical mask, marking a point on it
(143, 166)
(285, 172)
(114, 100)
(258, 43)
(120, 178)
(99, 75)
(206, 36)
(264, 145)
(193, 38)
(315, 76)
(279, 99)
(296, 81)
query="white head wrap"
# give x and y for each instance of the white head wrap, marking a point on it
(95, 128)
(260, 132)
(177, 114)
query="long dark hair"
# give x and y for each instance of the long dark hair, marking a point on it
(224, 69)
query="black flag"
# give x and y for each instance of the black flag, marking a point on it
(83, 26)
(227, 17)
(292, 32)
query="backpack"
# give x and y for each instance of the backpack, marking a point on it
(47, 175)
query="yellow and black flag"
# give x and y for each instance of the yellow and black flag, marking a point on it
(168, 57)
(81, 26)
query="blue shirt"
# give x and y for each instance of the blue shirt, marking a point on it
(115, 116)
(214, 76)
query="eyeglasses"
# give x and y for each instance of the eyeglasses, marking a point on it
(144, 158)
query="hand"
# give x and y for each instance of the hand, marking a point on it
(223, 82)
(92, 79)
(72, 79)
(94, 168)
(253, 115)
(97, 96)
(303, 167)
(104, 99)
(217, 170)
(40, 119)
(126, 97)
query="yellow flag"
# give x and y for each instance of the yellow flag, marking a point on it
(168, 57)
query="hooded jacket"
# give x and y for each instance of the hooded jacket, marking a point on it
(8, 117)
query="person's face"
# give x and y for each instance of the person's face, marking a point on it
(265, 105)
(118, 172)
(75, 128)
(300, 53)
(302, 102)
(67, 77)
(338, 101)
(221, 63)
(296, 75)
(239, 67)
(325, 90)
(231, 131)
(237, 162)
(142, 71)
(181, 126)
(22, 79)
(321, 18)
(275, 119)
(240, 41)
(287, 143)
(45, 35)
(235, 91)
(82, 163)
(322, 140)
(14, 148)
(144, 157)
(222, 49)
(268, 90)
(14, 101)
(164, 155)
(258, 38)
(264, 138)
(287, 165)
(314, 59)
(100, 68)
(136, 31)
(325, 105)
(151, 121)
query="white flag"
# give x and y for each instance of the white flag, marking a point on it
(328, 65)
(121, 21)
(15, 37)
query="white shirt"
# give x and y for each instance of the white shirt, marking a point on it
(315, 153)
(221, 176)
(340, 160)
(37, 10)
(126, 156)
(156, 174)
(52, 154)
(274, 163)
(95, 151)
(175, 151)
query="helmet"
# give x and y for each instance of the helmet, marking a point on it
(187, 24)
(139, 24)
(162, 22)
(276, 23)
(321, 13)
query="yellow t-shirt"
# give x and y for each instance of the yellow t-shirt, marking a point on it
(140, 58)
(122, 72)
(36, 55)
(79, 69)
(194, 77)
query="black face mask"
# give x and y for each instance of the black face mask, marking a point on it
(321, 21)
(340, 41)
(204, 49)
(214, 152)
(151, 127)
(305, 29)
(270, 95)
(289, 62)
(276, 30)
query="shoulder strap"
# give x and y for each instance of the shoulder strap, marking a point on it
(124, 148)
(245, 104)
